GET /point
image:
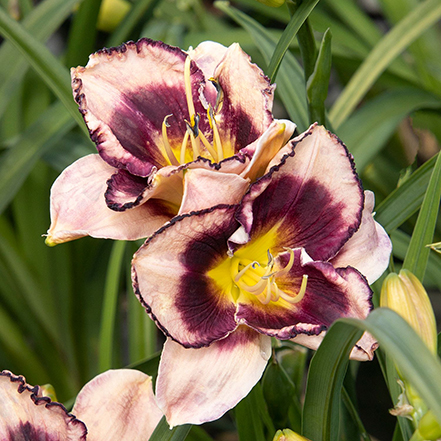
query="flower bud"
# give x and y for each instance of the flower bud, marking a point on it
(405, 294)
(272, 3)
(111, 14)
(428, 429)
(288, 435)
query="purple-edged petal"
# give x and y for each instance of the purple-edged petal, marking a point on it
(330, 294)
(206, 188)
(27, 415)
(369, 248)
(125, 93)
(78, 207)
(196, 386)
(207, 56)
(170, 277)
(245, 112)
(362, 351)
(118, 405)
(312, 197)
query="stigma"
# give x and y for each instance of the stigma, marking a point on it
(244, 272)
(194, 143)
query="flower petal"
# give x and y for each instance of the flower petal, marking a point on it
(170, 278)
(313, 197)
(245, 112)
(78, 207)
(266, 147)
(330, 294)
(362, 351)
(26, 414)
(118, 405)
(199, 385)
(369, 248)
(125, 93)
(206, 188)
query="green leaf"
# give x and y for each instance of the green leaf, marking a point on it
(368, 129)
(248, 413)
(41, 22)
(418, 253)
(317, 85)
(406, 199)
(164, 433)
(141, 10)
(415, 361)
(422, 17)
(325, 380)
(109, 307)
(83, 33)
(47, 66)
(18, 160)
(290, 79)
(298, 18)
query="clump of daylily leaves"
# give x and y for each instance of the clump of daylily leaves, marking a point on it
(252, 233)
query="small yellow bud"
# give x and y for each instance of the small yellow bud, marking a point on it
(272, 3)
(405, 294)
(111, 14)
(428, 429)
(288, 435)
(47, 390)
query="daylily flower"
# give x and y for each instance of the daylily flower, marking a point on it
(155, 111)
(221, 281)
(116, 405)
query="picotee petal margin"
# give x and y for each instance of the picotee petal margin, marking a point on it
(26, 414)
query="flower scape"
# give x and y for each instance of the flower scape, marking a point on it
(251, 234)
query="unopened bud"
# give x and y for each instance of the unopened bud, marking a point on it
(288, 435)
(111, 14)
(405, 294)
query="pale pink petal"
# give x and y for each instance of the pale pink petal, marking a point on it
(199, 385)
(267, 146)
(118, 405)
(78, 207)
(369, 248)
(206, 188)
(26, 415)
(245, 112)
(362, 351)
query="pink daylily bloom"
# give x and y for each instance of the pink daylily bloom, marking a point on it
(220, 282)
(155, 111)
(116, 405)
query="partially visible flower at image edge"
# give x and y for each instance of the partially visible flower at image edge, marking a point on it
(116, 405)
(154, 112)
(285, 262)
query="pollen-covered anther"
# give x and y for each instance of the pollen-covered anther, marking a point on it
(265, 288)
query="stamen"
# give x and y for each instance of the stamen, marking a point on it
(288, 267)
(220, 94)
(188, 92)
(299, 296)
(208, 146)
(244, 270)
(193, 130)
(216, 138)
(168, 150)
(184, 147)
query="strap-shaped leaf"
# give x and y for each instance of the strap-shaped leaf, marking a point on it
(164, 433)
(47, 66)
(400, 342)
(290, 79)
(404, 33)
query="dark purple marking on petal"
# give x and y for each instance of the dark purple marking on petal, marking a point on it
(136, 120)
(124, 190)
(201, 303)
(26, 431)
(330, 294)
(307, 214)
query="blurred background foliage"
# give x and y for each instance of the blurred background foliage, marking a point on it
(68, 313)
